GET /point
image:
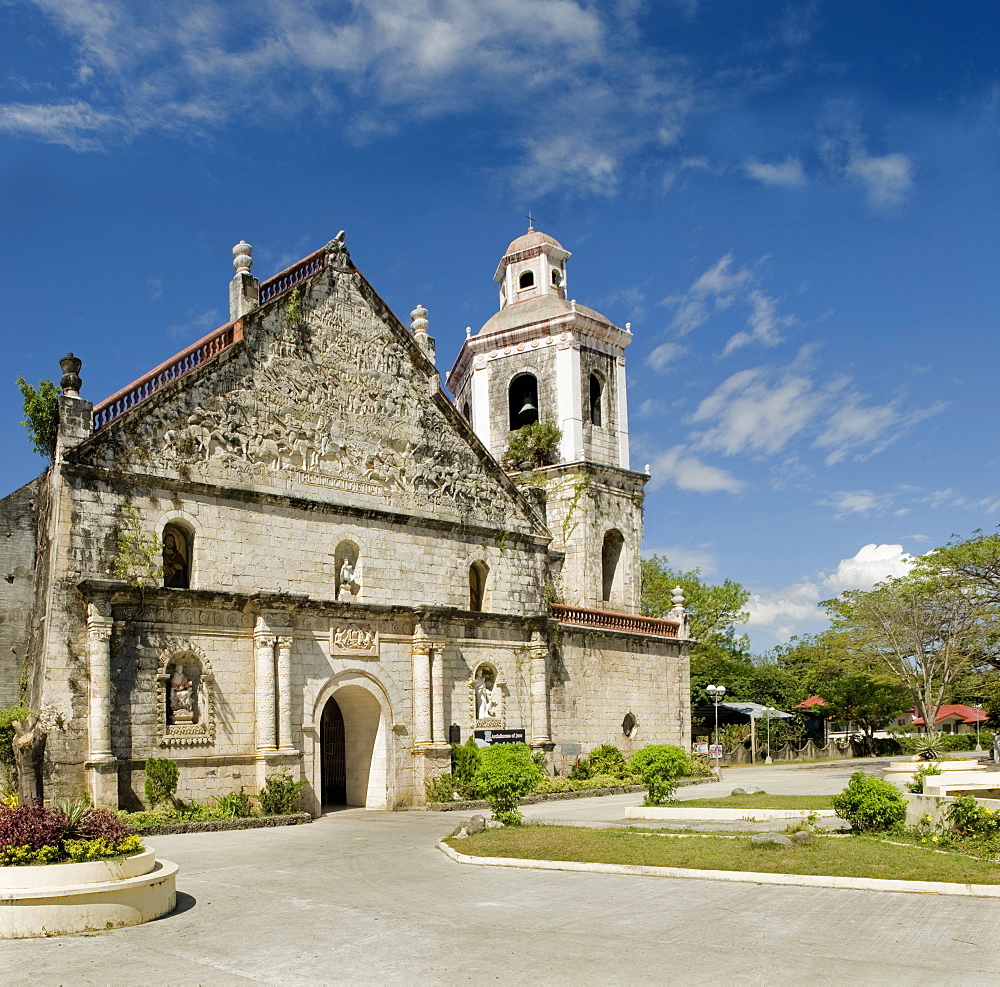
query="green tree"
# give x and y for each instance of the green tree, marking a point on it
(867, 702)
(924, 632)
(505, 773)
(41, 414)
(537, 443)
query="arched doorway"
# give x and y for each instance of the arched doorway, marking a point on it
(353, 749)
(334, 761)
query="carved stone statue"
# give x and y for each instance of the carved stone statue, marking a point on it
(486, 701)
(181, 696)
(347, 576)
(29, 756)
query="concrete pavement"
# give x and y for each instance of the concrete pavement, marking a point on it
(365, 898)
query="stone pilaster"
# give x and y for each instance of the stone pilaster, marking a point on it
(285, 694)
(541, 731)
(263, 647)
(439, 730)
(420, 653)
(99, 626)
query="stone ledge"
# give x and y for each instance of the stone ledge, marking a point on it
(226, 825)
(554, 796)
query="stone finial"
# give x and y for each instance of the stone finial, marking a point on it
(71, 382)
(243, 257)
(468, 332)
(418, 323)
(677, 598)
(628, 326)
(648, 470)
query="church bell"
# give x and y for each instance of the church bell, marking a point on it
(528, 412)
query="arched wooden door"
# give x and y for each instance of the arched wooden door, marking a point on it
(334, 763)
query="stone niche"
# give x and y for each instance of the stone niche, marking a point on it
(487, 695)
(184, 697)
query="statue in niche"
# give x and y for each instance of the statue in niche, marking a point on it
(181, 696)
(486, 699)
(176, 572)
(347, 575)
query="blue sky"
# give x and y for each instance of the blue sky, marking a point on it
(794, 204)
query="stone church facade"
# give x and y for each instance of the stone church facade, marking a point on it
(287, 548)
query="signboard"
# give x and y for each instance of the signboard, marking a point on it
(699, 748)
(715, 750)
(487, 738)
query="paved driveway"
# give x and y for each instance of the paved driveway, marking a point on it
(364, 898)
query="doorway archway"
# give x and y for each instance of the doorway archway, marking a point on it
(353, 749)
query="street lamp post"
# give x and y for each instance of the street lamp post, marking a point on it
(715, 693)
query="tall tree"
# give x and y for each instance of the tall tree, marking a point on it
(924, 632)
(868, 702)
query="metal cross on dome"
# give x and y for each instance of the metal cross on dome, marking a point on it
(531, 222)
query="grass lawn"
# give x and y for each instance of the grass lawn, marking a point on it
(760, 801)
(856, 856)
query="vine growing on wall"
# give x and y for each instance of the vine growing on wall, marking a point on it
(568, 524)
(138, 557)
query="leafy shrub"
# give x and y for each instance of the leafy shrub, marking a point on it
(869, 804)
(235, 805)
(443, 788)
(161, 780)
(928, 749)
(280, 794)
(7, 718)
(580, 770)
(927, 768)
(701, 766)
(659, 766)
(505, 773)
(36, 834)
(607, 760)
(968, 818)
(887, 747)
(464, 764)
(537, 443)
(550, 786)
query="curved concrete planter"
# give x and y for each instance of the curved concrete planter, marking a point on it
(757, 815)
(102, 894)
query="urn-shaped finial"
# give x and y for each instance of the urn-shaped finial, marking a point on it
(243, 257)
(418, 320)
(70, 381)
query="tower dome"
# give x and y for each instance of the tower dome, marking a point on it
(533, 266)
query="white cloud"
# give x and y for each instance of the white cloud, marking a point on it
(688, 472)
(788, 173)
(764, 322)
(887, 179)
(787, 612)
(664, 354)
(870, 565)
(751, 413)
(77, 125)
(842, 146)
(761, 409)
(861, 502)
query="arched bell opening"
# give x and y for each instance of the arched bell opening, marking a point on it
(523, 401)
(611, 551)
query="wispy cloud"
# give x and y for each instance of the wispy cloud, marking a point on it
(720, 288)
(664, 355)
(843, 148)
(788, 173)
(762, 409)
(856, 502)
(678, 466)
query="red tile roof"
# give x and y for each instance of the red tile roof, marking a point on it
(969, 714)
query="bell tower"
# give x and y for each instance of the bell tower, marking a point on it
(543, 357)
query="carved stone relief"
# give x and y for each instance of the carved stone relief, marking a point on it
(335, 401)
(353, 639)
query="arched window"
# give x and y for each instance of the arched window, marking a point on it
(478, 572)
(177, 546)
(596, 397)
(557, 278)
(610, 553)
(526, 280)
(467, 411)
(523, 401)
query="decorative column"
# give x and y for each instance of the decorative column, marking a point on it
(263, 645)
(99, 627)
(541, 731)
(420, 653)
(437, 695)
(285, 693)
(678, 612)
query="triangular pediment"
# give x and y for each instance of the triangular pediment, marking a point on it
(328, 398)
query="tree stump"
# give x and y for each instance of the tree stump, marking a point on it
(29, 755)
